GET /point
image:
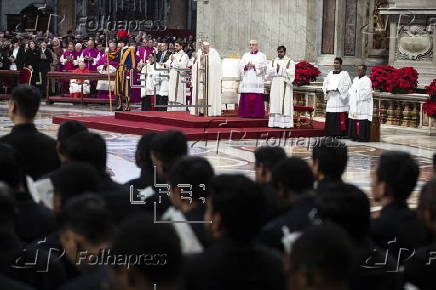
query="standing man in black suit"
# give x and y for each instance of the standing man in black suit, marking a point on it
(36, 150)
(44, 66)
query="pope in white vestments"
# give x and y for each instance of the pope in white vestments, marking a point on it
(282, 72)
(361, 106)
(335, 87)
(214, 72)
(177, 92)
(253, 66)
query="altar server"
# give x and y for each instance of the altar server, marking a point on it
(214, 75)
(148, 84)
(335, 87)
(178, 60)
(253, 66)
(282, 72)
(361, 106)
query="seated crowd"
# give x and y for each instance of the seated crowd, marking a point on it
(65, 224)
(36, 55)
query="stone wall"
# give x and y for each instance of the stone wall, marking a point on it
(230, 24)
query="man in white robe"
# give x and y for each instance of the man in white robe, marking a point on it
(335, 87)
(178, 60)
(214, 71)
(147, 82)
(361, 106)
(161, 83)
(282, 72)
(253, 66)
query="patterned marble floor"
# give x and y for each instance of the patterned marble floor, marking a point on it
(237, 155)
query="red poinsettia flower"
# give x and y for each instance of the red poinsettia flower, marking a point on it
(305, 73)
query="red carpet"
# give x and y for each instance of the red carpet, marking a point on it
(195, 128)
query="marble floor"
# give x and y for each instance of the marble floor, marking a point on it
(237, 155)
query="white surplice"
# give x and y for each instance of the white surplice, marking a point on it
(161, 81)
(148, 80)
(214, 83)
(337, 98)
(282, 72)
(253, 80)
(361, 99)
(176, 87)
(77, 87)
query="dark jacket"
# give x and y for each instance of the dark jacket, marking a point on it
(421, 268)
(19, 61)
(226, 265)
(296, 218)
(398, 222)
(44, 64)
(165, 57)
(37, 151)
(32, 57)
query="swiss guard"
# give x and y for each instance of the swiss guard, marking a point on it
(126, 57)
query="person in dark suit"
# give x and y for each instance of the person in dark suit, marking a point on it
(329, 159)
(236, 206)
(46, 59)
(191, 201)
(16, 55)
(421, 267)
(397, 226)
(143, 161)
(32, 220)
(37, 151)
(166, 148)
(348, 207)
(266, 158)
(44, 273)
(90, 148)
(293, 180)
(32, 59)
(159, 246)
(321, 258)
(163, 54)
(86, 233)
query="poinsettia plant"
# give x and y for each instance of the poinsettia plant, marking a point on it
(429, 107)
(305, 73)
(380, 76)
(389, 79)
(403, 80)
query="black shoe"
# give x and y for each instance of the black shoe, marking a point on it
(119, 109)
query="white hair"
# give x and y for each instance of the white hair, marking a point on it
(253, 41)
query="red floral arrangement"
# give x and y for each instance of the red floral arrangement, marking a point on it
(305, 73)
(429, 107)
(403, 80)
(389, 79)
(380, 75)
